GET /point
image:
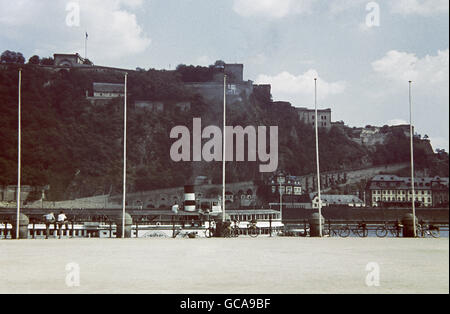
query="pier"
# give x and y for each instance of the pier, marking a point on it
(105, 223)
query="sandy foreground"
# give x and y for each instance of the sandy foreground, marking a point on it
(225, 266)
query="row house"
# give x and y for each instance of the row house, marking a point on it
(395, 191)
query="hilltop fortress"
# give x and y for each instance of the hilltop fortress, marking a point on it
(212, 91)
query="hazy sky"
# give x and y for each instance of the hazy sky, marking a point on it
(363, 71)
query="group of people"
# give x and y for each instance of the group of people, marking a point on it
(59, 221)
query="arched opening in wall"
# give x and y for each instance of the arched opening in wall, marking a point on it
(65, 63)
(229, 196)
(150, 206)
(163, 201)
(250, 192)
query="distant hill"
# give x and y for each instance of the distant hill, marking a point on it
(75, 146)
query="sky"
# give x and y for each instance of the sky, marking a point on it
(362, 52)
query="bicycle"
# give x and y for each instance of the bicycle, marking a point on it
(331, 232)
(235, 230)
(394, 230)
(185, 234)
(361, 231)
(253, 230)
(231, 231)
(432, 231)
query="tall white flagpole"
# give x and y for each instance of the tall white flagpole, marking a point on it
(224, 146)
(124, 158)
(317, 157)
(413, 189)
(19, 153)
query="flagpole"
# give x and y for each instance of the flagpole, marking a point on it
(317, 157)
(85, 46)
(19, 153)
(224, 145)
(413, 189)
(124, 158)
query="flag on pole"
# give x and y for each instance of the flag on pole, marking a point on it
(87, 36)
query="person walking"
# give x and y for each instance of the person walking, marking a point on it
(49, 219)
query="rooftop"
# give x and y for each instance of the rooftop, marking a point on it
(405, 182)
(109, 87)
(306, 109)
(338, 199)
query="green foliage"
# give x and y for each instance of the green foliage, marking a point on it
(34, 60)
(198, 73)
(397, 149)
(77, 147)
(47, 61)
(12, 57)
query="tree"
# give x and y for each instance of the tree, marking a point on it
(12, 57)
(219, 63)
(47, 61)
(34, 60)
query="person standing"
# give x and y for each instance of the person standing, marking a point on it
(49, 219)
(62, 221)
